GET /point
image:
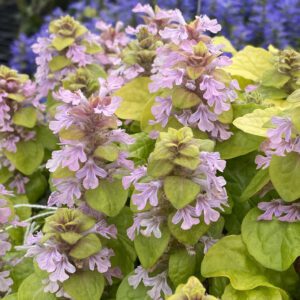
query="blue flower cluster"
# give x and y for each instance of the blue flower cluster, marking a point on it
(255, 22)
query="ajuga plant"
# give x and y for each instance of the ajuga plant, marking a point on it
(185, 74)
(25, 137)
(7, 219)
(173, 165)
(68, 47)
(70, 250)
(177, 198)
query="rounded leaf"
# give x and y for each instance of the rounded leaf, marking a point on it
(274, 244)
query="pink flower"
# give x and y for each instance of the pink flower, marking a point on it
(135, 175)
(159, 285)
(66, 96)
(273, 208)
(283, 130)
(101, 260)
(292, 213)
(108, 108)
(77, 55)
(206, 207)
(19, 183)
(161, 111)
(72, 156)
(90, 173)
(188, 216)
(140, 275)
(62, 268)
(204, 118)
(148, 191)
(207, 24)
(5, 281)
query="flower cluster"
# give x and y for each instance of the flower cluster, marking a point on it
(179, 189)
(90, 139)
(282, 211)
(61, 249)
(7, 218)
(282, 139)
(188, 67)
(19, 114)
(69, 47)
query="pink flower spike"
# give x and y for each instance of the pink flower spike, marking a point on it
(273, 208)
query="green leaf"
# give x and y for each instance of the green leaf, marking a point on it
(60, 43)
(260, 179)
(86, 246)
(33, 289)
(294, 96)
(135, 95)
(36, 187)
(71, 237)
(189, 237)
(11, 297)
(180, 191)
(251, 63)
(253, 123)
(181, 266)
(274, 244)
(85, 285)
(109, 197)
(45, 136)
(123, 221)
(285, 174)
(108, 152)
(258, 293)
(21, 271)
(5, 174)
(239, 144)
(183, 98)
(150, 249)
(273, 78)
(228, 47)
(158, 168)
(28, 157)
(126, 291)
(217, 285)
(142, 147)
(26, 117)
(59, 62)
(229, 258)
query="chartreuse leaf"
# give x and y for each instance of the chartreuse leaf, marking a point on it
(157, 168)
(274, 244)
(109, 197)
(126, 291)
(258, 293)
(85, 247)
(108, 152)
(5, 174)
(33, 289)
(60, 42)
(135, 95)
(150, 249)
(11, 297)
(273, 78)
(180, 191)
(217, 285)
(260, 179)
(240, 143)
(26, 117)
(251, 63)
(59, 62)
(192, 290)
(254, 122)
(228, 47)
(85, 285)
(294, 96)
(229, 258)
(28, 157)
(285, 174)
(183, 98)
(181, 266)
(191, 236)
